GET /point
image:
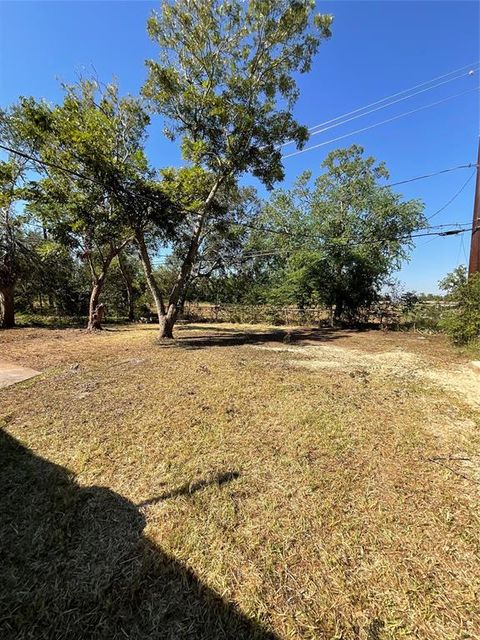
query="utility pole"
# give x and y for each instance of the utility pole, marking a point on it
(474, 264)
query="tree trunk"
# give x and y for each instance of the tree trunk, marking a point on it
(178, 292)
(167, 322)
(167, 318)
(7, 307)
(338, 310)
(165, 326)
(128, 287)
(95, 313)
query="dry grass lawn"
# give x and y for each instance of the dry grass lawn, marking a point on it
(236, 484)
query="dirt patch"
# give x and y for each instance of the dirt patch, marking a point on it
(460, 379)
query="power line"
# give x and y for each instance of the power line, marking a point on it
(449, 224)
(391, 184)
(266, 254)
(316, 237)
(453, 197)
(344, 120)
(377, 124)
(84, 177)
(359, 244)
(404, 237)
(430, 175)
(394, 95)
(277, 231)
(432, 236)
(284, 232)
(45, 163)
(66, 170)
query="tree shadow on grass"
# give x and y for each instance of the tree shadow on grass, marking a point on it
(217, 337)
(75, 565)
(191, 487)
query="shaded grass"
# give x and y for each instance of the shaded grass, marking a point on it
(75, 565)
(336, 526)
(45, 321)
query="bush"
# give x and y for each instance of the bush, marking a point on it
(462, 323)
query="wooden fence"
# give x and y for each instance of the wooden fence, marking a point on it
(256, 314)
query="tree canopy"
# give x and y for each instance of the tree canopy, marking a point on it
(338, 240)
(95, 188)
(225, 79)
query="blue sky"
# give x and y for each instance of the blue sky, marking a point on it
(377, 49)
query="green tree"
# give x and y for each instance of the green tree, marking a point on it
(462, 323)
(225, 83)
(343, 237)
(97, 191)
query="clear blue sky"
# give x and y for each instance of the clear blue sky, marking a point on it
(377, 49)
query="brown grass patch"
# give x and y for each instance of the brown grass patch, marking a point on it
(216, 490)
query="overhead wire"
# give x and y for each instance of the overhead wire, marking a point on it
(90, 179)
(453, 198)
(382, 240)
(46, 163)
(377, 124)
(340, 120)
(429, 175)
(66, 170)
(390, 184)
(344, 120)
(282, 232)
(399, 93)
(268, 253)
(286, 251)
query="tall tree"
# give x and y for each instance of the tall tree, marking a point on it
(221, 241)
(89, 224)
(225, 83)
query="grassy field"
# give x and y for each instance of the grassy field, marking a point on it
(237, 483)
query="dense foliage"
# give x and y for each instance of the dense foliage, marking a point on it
(462, 322)
(335, 242)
